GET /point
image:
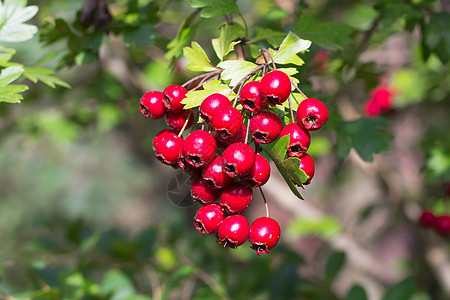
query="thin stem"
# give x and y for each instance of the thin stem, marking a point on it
(185, 124)
(248, 129)
(300, 91)
(238, 93)
(290, 108)
(245, 78)
(271, 58)
(265, 201)
(240, 55)
(200, 76)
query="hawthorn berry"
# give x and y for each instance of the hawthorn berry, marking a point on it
(208, 218)
(442, 225)
(203, 193)
(211, 104)
(238, 138)
(236, 198)
(275, 87)
(233, 231)
(382, 95)
(372, 108)
(173, 95)
(312, 114)
(177, 120)
(427, 218)
(189, 169)
(199, 148)
(152, 106)
(251, 97)
(307, 166)
(238, 159)
(168, 148)
(264, 234)
(299, 141)
(259, 174)
(226, 122)
(265, 127)
(161, 135)
(214, 176)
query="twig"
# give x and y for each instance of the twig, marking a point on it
(271, 58)
(200, 76)
(290, 108)
(265, 201)
(296, 87)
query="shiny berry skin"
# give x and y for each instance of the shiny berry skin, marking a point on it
(161, 135)
(275, 87)
(442, 225)
(236, 198)
(214, 176)
(199, 148)
(427, 218)
(168, 148)
(233, 231)
(259, 174)
(226, 122)
(208, 218)
(211, 105)
(238, 138)
(307, 166)
(177, 120)
(173, 95)
(264, 234)
(265, 127)
(238, 159)
(203, 193)
(151, 105)
(299, 140)
(312, 114)
(189, 169)
(251, 97)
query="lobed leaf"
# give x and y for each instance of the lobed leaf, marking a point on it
(215, 8)
(12, 14)
(224, 43)
(235, 70)
(195, 98)
(10, 74)
(287, 53)
(44, 75)
(198, 60)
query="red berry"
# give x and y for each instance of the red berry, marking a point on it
(214, 176)
(427, 218)
(238, 159)
(173, 95)
(203, 193)
(177, 120)
(199, 148)
(383, 96)
(259, 174)
(226, 122)
(211, 104)
(442, 224)
(168, 148)
(372, 108)
(151, 105)
(161, 134)
(265, 127)
(233, 231)
(264, 234)
(275, 87)
(312, 114)
(238, 138)
(251, 98)
(191, 170)
(299, 141)
(208, 218)
(236, 198)
(307, 165)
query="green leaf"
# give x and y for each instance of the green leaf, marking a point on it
(12, 14)
(198, 60)
(10, 74)
(327, 35)
(273, 37)
(287, 53)
(6, 54)
(176, 277)
(235, 70)
(326, 227)
(224, 43)
(195, 98)
(117, 285)
(185, 34)
(365, 135)
(438, 161)
(44, 75)
(142, 35)
(334, 264)
(215, 8)
(356, 293)
(403, 290)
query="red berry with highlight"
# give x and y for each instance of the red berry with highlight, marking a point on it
(151, 105)
(203, 193)
(199, 148)
(259, 174)
(233, 231)
(264, 234)
(168, 148)
(161, 135)
(299, 140)
(265, 127)
(307, 166)
(238, 159)
(214, 176)
(173, 95)
(208, 218)
(238, 138)
(236, 198)
(275, 87)
(251, 97)
(227, 122)
(177, 120)
(312, 114)
(427, 218)
(211, 105)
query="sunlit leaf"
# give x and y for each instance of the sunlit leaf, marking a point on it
(198, 60)
(215, 8)
(236, 70)
(224, 44)
(12, 14)
(289, 48)
(44, 75)
(195, 98)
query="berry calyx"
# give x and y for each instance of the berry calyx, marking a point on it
(203, 193)
(307, 166)
(168, 148)
(312, 114)
(259, 174)
(199, 148)
(214, 176)
(299, 141)
(238, 138)
(177, 120)
(238, 159)
(236, 198)
(173, 95)
(275, 87)
(427, 218)
(265, 127)
(233, 231)
(264, 234)
(226, 122)
(251, 97)
(212, 104)
(152, 106)
(208, 218)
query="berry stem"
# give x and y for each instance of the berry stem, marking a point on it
(185, 124)
(245, 78)
(247, 132)
(204, 76)
(271, 58)
(299, 90)
(265, 201)
(290, 108)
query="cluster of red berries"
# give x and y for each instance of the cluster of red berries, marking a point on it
(439, 223)
(380, 101)
(224, 166)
